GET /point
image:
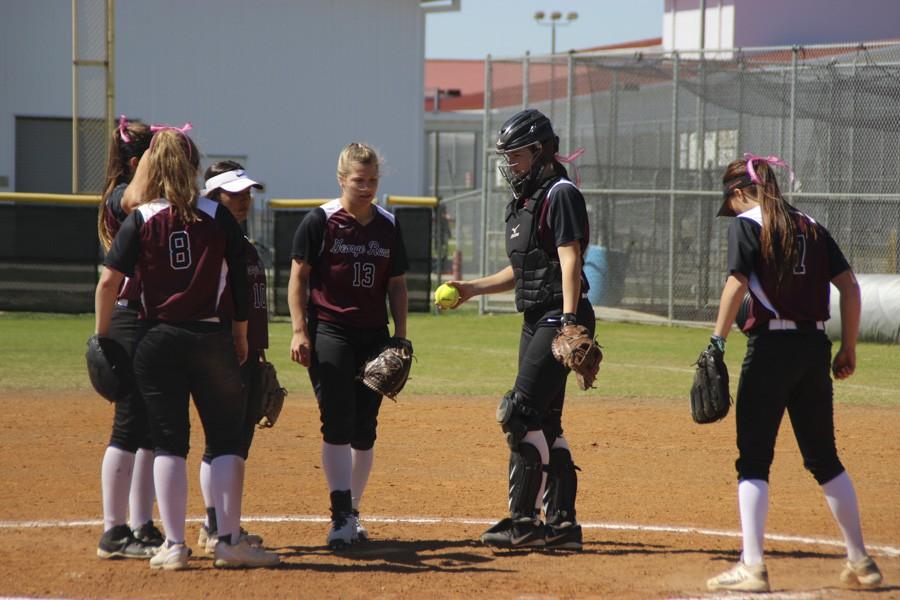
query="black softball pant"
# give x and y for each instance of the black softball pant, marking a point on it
(347, 408)
(171, 364)
(541, 380)
(251, 376)
(786, 370)
(131, 424)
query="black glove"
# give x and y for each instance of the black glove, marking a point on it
(710, 398)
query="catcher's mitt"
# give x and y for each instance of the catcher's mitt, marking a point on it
(574, 347)
(272, 396)
(387, 371)
(710, 399)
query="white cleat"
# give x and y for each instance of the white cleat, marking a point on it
(862, 573)
(243, 554)
(741, 577)
(171, 558)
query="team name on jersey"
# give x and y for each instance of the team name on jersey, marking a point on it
(373, 248)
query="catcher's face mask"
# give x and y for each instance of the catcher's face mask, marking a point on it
(520, 168)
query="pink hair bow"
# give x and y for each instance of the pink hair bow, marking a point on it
(182, 130)
(773, 160)
(570, 159)
(123, 123)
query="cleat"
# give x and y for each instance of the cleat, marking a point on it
(741, 577)
(341, 534)
(119, 542)
(243, 554)
(149, 535)
(360, 533)
(862, 573)
(566, 536)
(171, 558)
(207, 540)
(523, 532)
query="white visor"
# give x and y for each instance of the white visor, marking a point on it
(230, 181)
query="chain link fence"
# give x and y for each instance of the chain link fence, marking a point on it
(658, 128)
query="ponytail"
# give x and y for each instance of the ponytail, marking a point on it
(129, 140)
(172, 172)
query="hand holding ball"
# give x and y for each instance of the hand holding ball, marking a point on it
(446, 296)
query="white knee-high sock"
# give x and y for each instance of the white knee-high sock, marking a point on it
(537, 439)
(170, 479)
(227, 475)
(362, 466)
(561, 442)
(140, 500)
(337, 462)
(753, 499)
(841, 497)
(206, 488)
(115, 481)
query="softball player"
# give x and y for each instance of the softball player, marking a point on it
(126, 473)
(348, 256)
(184, 248)
(787, 260)
(228, 184)
(547, 233)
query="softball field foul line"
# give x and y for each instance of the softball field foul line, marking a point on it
(879, 549)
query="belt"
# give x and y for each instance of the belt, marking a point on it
(132, 304)
(787, 325)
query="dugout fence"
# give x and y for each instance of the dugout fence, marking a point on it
(658, 129)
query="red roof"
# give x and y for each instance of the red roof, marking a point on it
(467, 76)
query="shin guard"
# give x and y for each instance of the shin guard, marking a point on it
(562, 487)
(525, 474)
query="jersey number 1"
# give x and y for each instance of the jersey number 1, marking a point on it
(800, 266)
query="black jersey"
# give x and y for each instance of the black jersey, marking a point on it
(258, 315)
(351, 263)
(804, 295)
(114, 215)
(183, 267)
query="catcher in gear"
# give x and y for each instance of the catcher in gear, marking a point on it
(348, 258)
(547, 234)
(788, 261)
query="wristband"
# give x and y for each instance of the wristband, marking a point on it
(568, 319)
(719, 342)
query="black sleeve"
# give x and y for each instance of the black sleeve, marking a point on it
(236, 258)
(399, 263)
(309, 237)
(837, 262)
(126, 247)
(743, 246)
(567, 215)
(114, 202)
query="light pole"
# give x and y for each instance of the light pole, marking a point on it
(553, 20)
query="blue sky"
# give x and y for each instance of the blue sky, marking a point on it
(507, 27)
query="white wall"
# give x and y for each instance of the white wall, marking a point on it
(749, 23)
(286, 84)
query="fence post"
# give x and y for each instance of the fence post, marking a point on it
(793, 122)
(570, 103)
(673, 165)
(485, 174)
(526, 64)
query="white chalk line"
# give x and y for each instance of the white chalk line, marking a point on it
(878, 549)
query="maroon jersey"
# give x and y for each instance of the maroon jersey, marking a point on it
(804, 294)
(351, 264)
(183, 267)
(114, 215)
(258, 316)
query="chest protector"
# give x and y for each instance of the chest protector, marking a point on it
(537, 275)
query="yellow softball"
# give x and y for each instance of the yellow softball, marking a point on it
(446, 296)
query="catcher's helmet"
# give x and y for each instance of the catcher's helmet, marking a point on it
(527, 128)
(109, 368)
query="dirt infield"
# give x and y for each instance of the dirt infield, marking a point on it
(650, 479)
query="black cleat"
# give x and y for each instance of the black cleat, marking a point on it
(565, 537)
(514, 534)
(119, 542)
(149, 535)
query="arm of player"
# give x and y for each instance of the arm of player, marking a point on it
(105, 299)
(730, 303)
(298, 294)
(851, 304)
(570, 264)
(501, 281)
(399, 304)
(136, 192)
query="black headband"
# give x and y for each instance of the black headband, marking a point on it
(738, 182)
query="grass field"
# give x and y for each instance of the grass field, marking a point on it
(458, 354)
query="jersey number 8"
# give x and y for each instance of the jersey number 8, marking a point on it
(179, 250)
